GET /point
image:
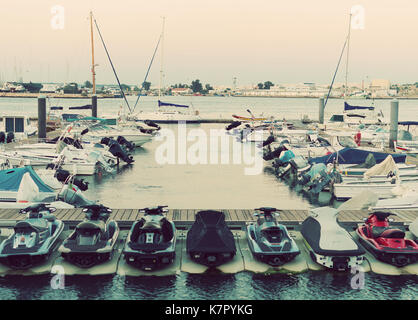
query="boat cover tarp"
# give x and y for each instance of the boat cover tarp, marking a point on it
(10, 179)
(166, 104)
(316, 169)
(386, 167)
(209, 233)
(326, 237)
(347, 107)
(287, 156)
(356, 156)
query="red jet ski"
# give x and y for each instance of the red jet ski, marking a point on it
(387, 244)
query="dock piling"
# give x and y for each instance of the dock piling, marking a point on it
(41, 117)
(394, 115)
(94, 105)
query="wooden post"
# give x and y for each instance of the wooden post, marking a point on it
(321, 110)
(94, 105)
(394, 115)
(41, 117)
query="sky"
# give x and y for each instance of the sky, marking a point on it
(213, 41)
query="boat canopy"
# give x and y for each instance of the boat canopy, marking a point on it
(166, 104)
(10, 179)
(348, 107)
(356, 156)
(408, 123)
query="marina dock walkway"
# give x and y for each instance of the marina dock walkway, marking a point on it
(184, 218)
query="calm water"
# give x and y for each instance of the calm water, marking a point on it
(240, 286)
(148, 182)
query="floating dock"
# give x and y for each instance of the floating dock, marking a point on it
(184, 218)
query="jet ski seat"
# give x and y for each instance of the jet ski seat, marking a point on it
(393, 234)
(386, 232)
(273, 236)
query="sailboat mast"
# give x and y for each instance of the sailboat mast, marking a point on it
(162, 55)
(348, 53)
(92, 54)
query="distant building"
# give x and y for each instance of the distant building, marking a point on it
(180, 91)
(379, 84)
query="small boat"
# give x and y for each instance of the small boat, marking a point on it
(386, 243)
(151, 242)
(241, 118)
(330, 244)
(209, 240)
(33, 239)
(268, 240)
(93, 240)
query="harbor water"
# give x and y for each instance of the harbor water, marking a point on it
(180, 185)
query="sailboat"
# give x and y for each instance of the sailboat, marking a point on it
(168, 112)
(354, 114)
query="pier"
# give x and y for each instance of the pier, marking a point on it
(184, 218)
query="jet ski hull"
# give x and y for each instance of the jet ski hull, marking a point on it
(149, 261)
(397, 257)
(25, 258)
(275, 254)
(151, 242)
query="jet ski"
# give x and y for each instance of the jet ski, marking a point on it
(329, 244)
(387, 244)
(268, 240)
(34, 238)
(93, 240)
(209, 240)
(151, 242)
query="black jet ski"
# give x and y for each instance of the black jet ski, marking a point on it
(34, 238)
(151, 242)
(209, 240)
(270, 241)
(93, 239)
(330, 244)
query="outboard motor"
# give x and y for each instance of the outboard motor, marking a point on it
(10, 137)
(129, 145)
(75, 197)
(2, 137)
(233, 125)
(116, 149)
(62, 176)
(268, 141)
(152, 124)
(274, 154)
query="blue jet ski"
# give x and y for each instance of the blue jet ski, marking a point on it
(151, 242)
(268, 240)
(34, 238)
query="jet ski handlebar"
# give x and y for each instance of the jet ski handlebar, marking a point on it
(37, 208)
(154, 210)
(266, 211)
(97, 211)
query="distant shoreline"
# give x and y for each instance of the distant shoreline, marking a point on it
(100, 96)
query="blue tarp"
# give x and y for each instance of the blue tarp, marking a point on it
(164, 104)
(408, 123)
(348, 107)
(10, 179)
(356, 156)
